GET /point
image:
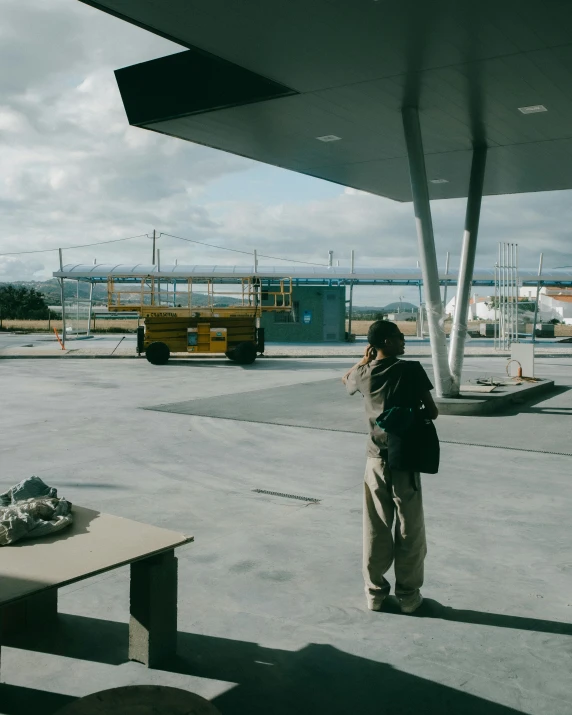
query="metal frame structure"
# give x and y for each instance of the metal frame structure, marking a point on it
(268, 277)
(152, 296)
(271, 275)
(506, 296)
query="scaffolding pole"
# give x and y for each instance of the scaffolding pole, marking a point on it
(506, 295)
(89, 308)
(351, 302)
(516, 287)
(63, 301)
(350, 311)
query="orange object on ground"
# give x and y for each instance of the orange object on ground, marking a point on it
(59, 341)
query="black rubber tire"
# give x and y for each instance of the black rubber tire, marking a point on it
(230, 355)
(157, 353)
(245, 353)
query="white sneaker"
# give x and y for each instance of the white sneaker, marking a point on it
(410, 605)
(375, 603)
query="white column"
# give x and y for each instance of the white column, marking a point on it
(428, 257)
(467, 266)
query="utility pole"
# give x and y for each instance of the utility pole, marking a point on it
(154, 239)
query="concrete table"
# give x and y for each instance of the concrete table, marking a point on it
(32, 571)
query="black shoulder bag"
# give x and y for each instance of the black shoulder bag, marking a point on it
(412, 442)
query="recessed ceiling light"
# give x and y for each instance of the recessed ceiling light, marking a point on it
(439, 181)
(329, 138)
(533, 109)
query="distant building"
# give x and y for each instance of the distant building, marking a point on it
(480, 307)
(552, 303)
(404, 315)
(317, 316)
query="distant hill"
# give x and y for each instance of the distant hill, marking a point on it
(369, 310)
(402, 306)
(50, 289)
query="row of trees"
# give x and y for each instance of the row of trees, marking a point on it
(21, 303)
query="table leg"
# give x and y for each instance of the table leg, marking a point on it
(33, 613)
(153, 623)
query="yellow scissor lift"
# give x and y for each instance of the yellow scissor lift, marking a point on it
(174, 324)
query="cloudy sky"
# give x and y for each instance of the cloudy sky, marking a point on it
(72, 172)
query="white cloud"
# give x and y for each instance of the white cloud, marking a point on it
(11, 121)
(13, 268)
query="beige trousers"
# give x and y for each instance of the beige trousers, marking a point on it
(388, 496)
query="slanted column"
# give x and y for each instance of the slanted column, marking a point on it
(427, 254)
(467, 266)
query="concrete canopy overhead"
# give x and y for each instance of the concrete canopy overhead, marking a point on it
(265, 80)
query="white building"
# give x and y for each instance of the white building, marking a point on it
(480, 307)
(404, 315)
(553, 303)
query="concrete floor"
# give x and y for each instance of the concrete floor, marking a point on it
(16, 340)
(272, 615)
(103, 345)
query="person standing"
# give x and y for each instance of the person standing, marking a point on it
(390, 495)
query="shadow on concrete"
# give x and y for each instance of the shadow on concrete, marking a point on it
(106, 642)
(16, 700)
(530, 405)
(315, 679)
(318, 679)
(551, 410)
(433, 609)
(269, 363)
(518, 404)
(77, 637)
